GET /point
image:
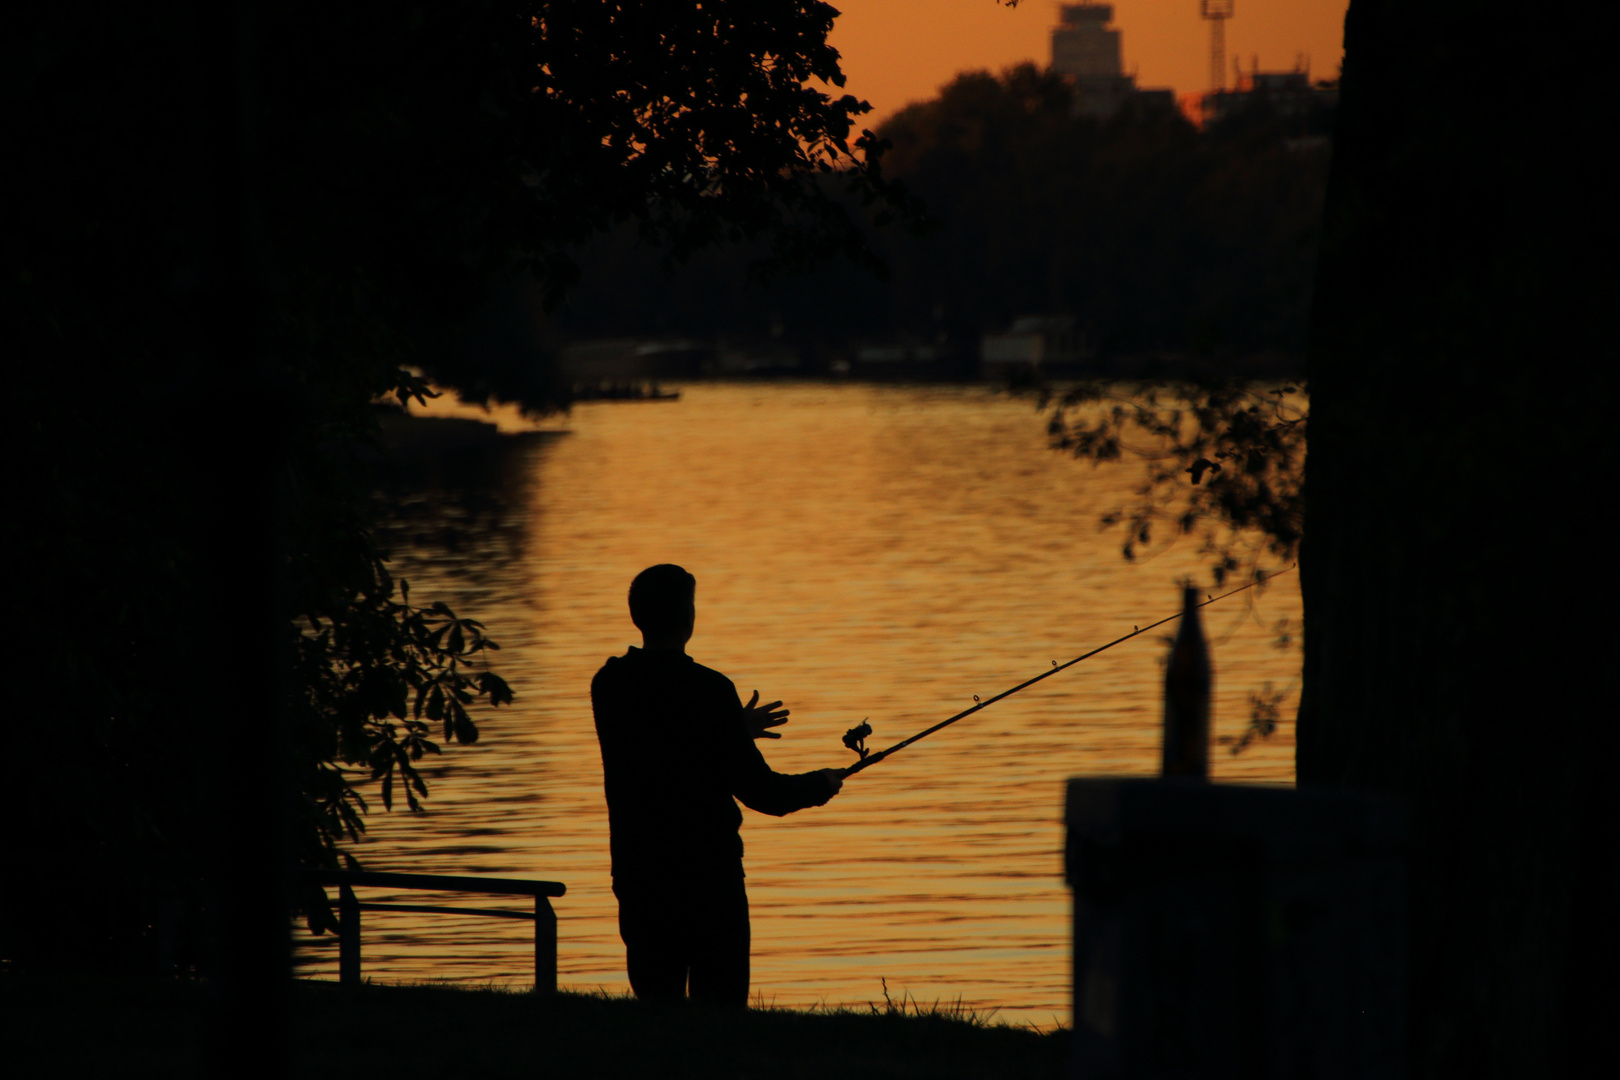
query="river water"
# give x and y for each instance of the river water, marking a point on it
(881, 552)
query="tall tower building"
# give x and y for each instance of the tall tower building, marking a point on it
(1083, 45)
(1085, 51)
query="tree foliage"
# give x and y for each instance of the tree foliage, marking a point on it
(402, 164)
(1225, 461)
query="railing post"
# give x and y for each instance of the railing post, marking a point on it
(348, 937)
(545, 946)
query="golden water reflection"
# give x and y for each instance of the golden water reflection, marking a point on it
(861, 551)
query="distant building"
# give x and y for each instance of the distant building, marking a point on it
(903, 357)
(1083, 44)
(1086, 52)
(1288, 94)
(1034, 344)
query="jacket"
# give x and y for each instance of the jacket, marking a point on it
(675, 754)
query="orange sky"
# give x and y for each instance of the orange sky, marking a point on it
(899, 51)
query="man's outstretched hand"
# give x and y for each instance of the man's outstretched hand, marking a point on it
(757, 718)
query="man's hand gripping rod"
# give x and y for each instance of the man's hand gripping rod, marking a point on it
(872, 759)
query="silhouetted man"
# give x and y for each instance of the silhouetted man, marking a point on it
(677, 745)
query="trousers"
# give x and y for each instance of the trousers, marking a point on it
(685, 937)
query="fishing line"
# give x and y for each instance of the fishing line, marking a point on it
(852, 739)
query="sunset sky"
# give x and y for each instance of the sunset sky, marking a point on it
(900, 51)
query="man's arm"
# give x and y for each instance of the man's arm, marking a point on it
(780, 794)
(761, 788)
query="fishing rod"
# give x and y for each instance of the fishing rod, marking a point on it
(856, 736)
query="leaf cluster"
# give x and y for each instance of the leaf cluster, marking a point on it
(1225, 461)
(701, 123)
(1264, 713)
(373, 686)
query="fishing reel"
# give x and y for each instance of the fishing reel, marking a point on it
(855, 738)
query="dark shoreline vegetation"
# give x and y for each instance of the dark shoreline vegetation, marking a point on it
(127, 1027)
(1172, 246)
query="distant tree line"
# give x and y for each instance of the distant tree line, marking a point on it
(1158, 236)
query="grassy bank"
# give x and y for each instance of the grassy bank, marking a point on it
(106, 1028)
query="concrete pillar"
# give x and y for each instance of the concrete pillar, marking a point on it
(1225, 931)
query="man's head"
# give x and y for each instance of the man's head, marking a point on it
(662, 600)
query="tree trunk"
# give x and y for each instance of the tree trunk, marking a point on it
(1463, 385)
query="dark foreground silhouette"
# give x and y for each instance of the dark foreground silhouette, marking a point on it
(677, 748)
(105, 1027)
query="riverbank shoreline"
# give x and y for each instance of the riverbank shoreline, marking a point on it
(109, 1027)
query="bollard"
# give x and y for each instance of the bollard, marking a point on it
(1225, 931)
(348, 937)
(545, 947)
(1188, 686)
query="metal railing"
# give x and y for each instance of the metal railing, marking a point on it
(350, 907)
